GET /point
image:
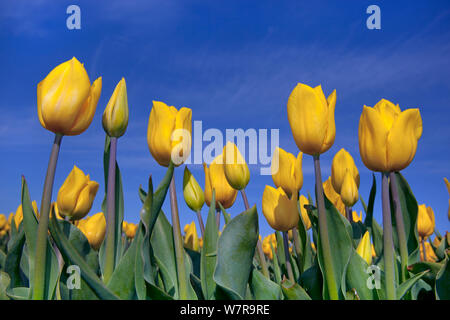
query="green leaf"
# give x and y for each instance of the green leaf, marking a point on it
(432, 267)
(375, 230)
(404, 287)
(311, 280)
(293, 291)
(305, 255)
(4, 284)
(12, 261)
(226, 215)
(263, 288)
(208, 254)
(275, 265)
(357, 277)
(442, 282)
(235, 251)
(19, 293)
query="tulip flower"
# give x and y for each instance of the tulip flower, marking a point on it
(302, 202)
(425, 221)
(191, 240)
(333, 196)
(18, 216)
(215, 179)
(388, 137)
(94, 228)
(66, 100)
(268, 243)
(3, 222)
(343, 162)
(364, 248)
(169, 133)
(129, 229)
(349, 190)
(76, 195)
(429, 255)
(311, 117)
(280, 211)
(287, 171)
(55, 206)
(115, 116)
(235, 167)
(356, 217)
(192, 192)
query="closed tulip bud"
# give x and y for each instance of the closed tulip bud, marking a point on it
(356, 217)
(3, 221)
(333, 196)
(94, 228)
(235, 167)
(364, 248)
(388, 137)
(76, 195)
(302, 202)
(215, 179)
(311, 117)
(425, 221)
(286, 171)
(280, 211)
(66, 100)
(342, 162)
(115, 116)
(18, 216)
(192, 192)
(268, 243)
(191, 240)
(349, 190)
(129, 229)
(169, 133)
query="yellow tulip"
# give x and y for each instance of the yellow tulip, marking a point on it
(215, 179)
(280, 211)
(66, 100)
(302, 202)
(374, 254)
(425, 221)
(343, 162)
(235, 167)
(76, 195)
(311, 117)
(333, 196)
(191, 240)
(129, 229)
(364, 248)
(349, 190)
(192, 192)
(448, 189)
(286, 171)
(58, 216)
(431, 255)
(357, 217)
(169, 133)
(94, 228)
(3, 221)
(115, 116)
(18, 217)
(267, 247)
(388, 137)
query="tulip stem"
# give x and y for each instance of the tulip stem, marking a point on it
(110, 251)
(400, 226)
(178, 241)
(424, 250)
(218, 219)
(262, 258)
(388, 245)
(348, 211)
(323, 234)
(41, 242)
(288, 258)
(200, 222)
(298, 250)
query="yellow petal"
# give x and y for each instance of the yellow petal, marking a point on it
(364, 248)
(85, 201)
(235, 167)
(287, 171)
(425, 221)
(94, 229)
(334, 197)
(192, 192)
(331, 125)
(342, 162)
(225, 194)
(280, 211)
(115, 116)
(388, 112)
(349, 190)
(302, 202)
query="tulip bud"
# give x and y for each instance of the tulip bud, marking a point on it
(302, 202)
(215, 179)
(286, 171)
(311, 117)
(364, 248)
(115, 116)
(268, 243)
(192, 192)
(425, 221)
(66, 100)
(280, 211)
(191, 240)
(388, 137)
(342, 162)
(129, 229)
(169, 133)
(76, 195)
(94, 228)
(334, 197)
(349, 190)
(236, 169)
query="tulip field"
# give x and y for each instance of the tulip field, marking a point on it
(320, 248)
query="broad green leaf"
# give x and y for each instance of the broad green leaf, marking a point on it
(18, 293)
(12, 261)
(442, 288)
(235, 251)
(375, 230)
(4, 284)
(404, 287)
(226, 215)
(357, 277)
(305, 256)
(311, 280)
(263, 288)
(293, 291)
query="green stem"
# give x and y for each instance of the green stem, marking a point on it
(388, 245)
(200, 222)
(287, 256)
(110, 250)
(262, 258)
(348, 211)
(41, 242)
(179, 251)
(323, 234)
(400, 226)
(424, 250)
(298, 250)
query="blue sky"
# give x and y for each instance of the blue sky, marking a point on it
(234, 64)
